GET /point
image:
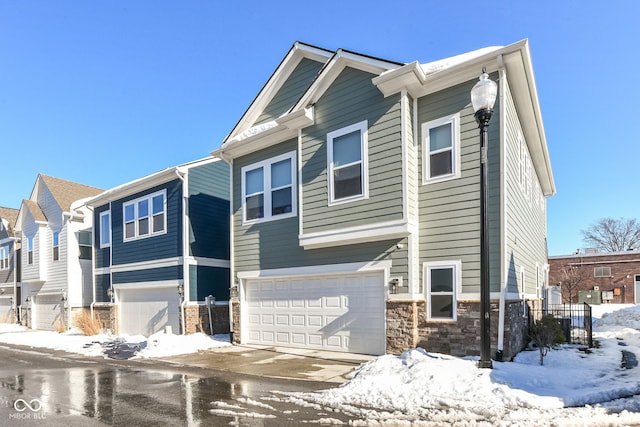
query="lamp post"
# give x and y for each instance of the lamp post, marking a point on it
(483, 96)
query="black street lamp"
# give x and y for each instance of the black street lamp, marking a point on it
(483, 96)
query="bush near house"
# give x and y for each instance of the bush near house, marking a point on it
(545, 333)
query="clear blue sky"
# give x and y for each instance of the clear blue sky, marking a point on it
(103, 92)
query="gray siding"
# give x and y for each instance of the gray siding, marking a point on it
(450, 210)
(274, 244)
(351, 99)
(526, 217)
(7, 275)
(299, 80)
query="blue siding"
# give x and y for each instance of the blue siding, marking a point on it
(204, 281)
(209, 210)
(151, 248)
(149, 275)
(103, 281)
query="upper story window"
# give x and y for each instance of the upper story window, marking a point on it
(347, 163)
(30, 250)
(56, 245)
(442, 281)
(84, 244)
(145, 216)
(4, 257)
(441, 149)
(105, 229)
(602, 272)
(269, 189)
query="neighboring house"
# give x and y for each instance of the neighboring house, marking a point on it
(356, 203)
(55, 230)
(9, 266)
(161, 248)
(597, 277)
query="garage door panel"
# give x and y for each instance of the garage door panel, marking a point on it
(49, 312)
(340, 313)
(147, 311)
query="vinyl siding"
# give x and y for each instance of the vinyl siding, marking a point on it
(526, 220)
(7, 275)
(204, 281)
(148, 275)
(161, 246)
(450, 210)
(352, 99)
(103, 282)
(102, 255)
(31, 272)
(274, 244)
(209, 210)
(299, 80)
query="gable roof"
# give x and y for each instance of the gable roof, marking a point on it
(66, 192)
(35, 210)
(10, 215)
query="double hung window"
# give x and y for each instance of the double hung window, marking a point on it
(441, 149)
(105, 229)
(347, 154)
(269, 189)
(4, 257)
(30, 250)
(442, 281)
(145, 216)
(56, 245)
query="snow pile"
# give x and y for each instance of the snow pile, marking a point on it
(575, 386)
(73, 341)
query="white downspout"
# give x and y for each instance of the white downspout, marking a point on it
(15, 277)
(503, 238)
(185, 249)
(93, 260)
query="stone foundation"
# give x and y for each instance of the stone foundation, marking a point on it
(407, 327)
(107, 316)
(235, 333)
(197, 319)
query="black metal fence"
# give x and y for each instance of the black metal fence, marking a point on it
(575, 321)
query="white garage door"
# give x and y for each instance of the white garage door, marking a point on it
(49, 312)
(147, 311)
(6, 315)
(339, 313)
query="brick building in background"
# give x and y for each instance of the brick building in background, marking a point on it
(597, 277)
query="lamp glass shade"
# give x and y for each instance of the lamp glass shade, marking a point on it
(483, 94)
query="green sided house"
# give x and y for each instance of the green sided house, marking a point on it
(356, 204)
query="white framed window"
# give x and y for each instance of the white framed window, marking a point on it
(442, 281)
(85, 246)
(269, 189)
(30, 250)
(145, 216)
(105, 229)
(347, 151)
(4, 257)
(441, 149)
(56, 246)
(602, 272)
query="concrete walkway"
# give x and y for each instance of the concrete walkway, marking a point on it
(277, 362)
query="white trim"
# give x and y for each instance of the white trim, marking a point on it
(362, 127)
(404, 141)
(149, 197)
(208, 262)
(100, 224)
(454, 120)
(358, 234)
(101, 271)
(317, 270)
(267, 190)
(147, 285)
(456, 265)
(147, 265)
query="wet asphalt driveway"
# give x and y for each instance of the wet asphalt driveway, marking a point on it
(59, 389)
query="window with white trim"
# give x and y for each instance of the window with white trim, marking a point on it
(105, 229)
(4, 257)
(56, 246)
(442, 281)
(30, 250)
(269, 189)
(441, 149)
(347, 163)
(85, 247)
(145, 216)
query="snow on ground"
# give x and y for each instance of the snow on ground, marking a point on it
(73, 341)
(574, 386)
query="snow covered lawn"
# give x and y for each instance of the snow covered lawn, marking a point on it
(73, 341)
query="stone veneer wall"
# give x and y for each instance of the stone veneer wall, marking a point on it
(235, 333)
(106, 314)
(407, 327)
(197, 319)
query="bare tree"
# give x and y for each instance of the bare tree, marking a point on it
(572, 277)
(613, 235)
